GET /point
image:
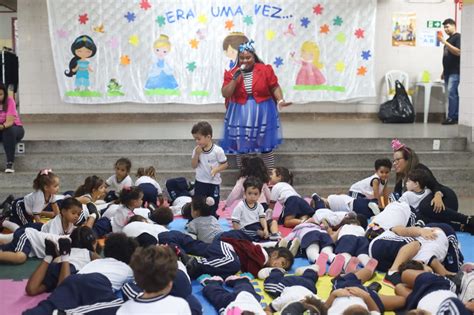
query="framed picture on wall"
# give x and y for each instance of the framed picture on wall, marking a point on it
(14, 33)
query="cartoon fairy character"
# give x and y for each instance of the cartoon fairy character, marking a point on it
(82, 48)
(231, 44)
(161, 74)
(310, 73)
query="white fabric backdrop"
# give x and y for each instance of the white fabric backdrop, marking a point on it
(124, 33)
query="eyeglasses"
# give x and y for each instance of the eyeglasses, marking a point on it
(396, 160)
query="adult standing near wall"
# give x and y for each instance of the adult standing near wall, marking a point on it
(451, 65)
(11, 128)
(253, 98)
(439, 206)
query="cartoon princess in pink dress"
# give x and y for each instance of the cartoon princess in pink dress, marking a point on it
(310, 73)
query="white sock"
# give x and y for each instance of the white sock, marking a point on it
(6, 238)
(347, 257)
(10, 225)
(329, 250)
(312, 252)
(364, 259)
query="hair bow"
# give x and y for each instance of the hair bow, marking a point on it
(397, 145)
(127, 188)
(46, 171)
(374, 226)
(248, 46)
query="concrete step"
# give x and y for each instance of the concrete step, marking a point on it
(322, 177)
(104, 161)
(289, 145)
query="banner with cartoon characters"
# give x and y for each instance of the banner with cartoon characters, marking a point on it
(176, 51)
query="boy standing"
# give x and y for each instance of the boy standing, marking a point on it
(208, 160)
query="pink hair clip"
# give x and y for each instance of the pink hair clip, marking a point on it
(397, 145)
(46, 171)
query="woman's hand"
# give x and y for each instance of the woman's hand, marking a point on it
(282, 103)
(437, 203)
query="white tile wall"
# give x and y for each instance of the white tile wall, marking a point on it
(466, 86)
(39, 92)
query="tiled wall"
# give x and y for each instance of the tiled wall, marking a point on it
(39, 92)
(466, 87)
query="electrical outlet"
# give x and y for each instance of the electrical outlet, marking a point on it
(20, 148)
(436, 144)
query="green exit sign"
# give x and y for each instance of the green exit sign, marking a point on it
(433, 24)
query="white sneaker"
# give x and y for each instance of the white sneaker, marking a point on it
(9, 168)
(300, 270)
(374, 207)
(265, 272)
(467, 287)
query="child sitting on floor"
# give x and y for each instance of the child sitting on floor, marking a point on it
(296, 210)
(203, 226)
(146, 180)
(119, 180)
(249, 215)
(64, 222)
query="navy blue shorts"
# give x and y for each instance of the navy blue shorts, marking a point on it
(356, 195)
(316, 237)
(51, 278)
(385, 252)
(20, 243)
(208, 190)
(150, 193)
(353, 245)
(177, 187)
(102, 227)
(297, 207)
(276, 282)
(351, 280)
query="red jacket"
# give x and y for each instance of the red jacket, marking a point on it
(251, 256)
(263, 83)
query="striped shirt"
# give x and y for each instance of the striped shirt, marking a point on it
(248, 78)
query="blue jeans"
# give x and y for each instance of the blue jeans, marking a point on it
(451, 83)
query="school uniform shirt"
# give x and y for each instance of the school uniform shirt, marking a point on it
(148, 180)
(237, 193)
(302, 229)
(432, 301)
(207, 161)
(79, 257)
(36, 239)
(413, 199)
(178, 204)
(351, 229)
(290, 295)
(134, 229)
(429, 248)
(395, 214)
(163, 304)
(245, 301)
(244, 215)
(365, 186)
(340, 203)
(333, 218)
(340, 304)
(116, 271)
(282, 191)
(114, 184)
(35, 202)
(55, 226)
(205, 228)
(120, 218)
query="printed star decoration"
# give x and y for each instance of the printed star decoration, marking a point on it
(160, 19)
(191, 66)
(337, 21)
(270, 34)
(324, 29)
(134, 40)
(194, 43)
(202, 18)
(83, 18)
(145, 5)
(305, 22)
(341, 37)
(125, 60)
(318, 9)
(130, 16)
(278, 62)
(361, 71)
(340, 66)
(359, 33)
(248, 20)
(229, 24)
(366, 54)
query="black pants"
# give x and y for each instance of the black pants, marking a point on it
(450, 215)
(10, 137)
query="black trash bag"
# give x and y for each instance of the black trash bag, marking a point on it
(399, 109)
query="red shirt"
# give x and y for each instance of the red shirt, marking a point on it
(251, 256)
(263, 83)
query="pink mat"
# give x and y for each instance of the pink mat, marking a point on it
(14, 299)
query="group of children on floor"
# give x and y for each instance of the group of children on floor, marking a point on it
(144, 267)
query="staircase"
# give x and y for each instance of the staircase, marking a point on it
(324, 165)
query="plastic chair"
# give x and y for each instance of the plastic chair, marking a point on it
(391, 77)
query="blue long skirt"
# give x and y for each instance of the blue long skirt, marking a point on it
(253, 127)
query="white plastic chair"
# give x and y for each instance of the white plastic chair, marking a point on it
(391, 77)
